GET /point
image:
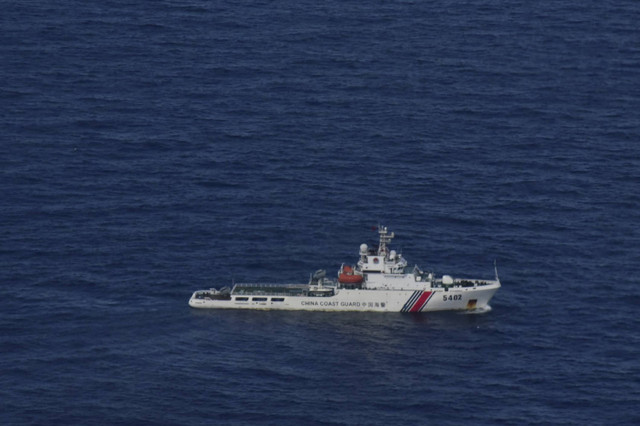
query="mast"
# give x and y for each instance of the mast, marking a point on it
(385, 238)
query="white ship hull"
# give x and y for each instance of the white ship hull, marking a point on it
(379, 282)
(425, 300)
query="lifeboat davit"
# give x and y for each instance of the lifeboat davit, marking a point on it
(348, 276)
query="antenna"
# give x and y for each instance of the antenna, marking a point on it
(385, 238)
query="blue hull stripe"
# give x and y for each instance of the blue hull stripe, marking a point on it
(411, 301)
(427, 301)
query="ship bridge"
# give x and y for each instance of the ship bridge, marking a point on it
(381, 260)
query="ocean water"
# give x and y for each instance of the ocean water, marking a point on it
(150, 149)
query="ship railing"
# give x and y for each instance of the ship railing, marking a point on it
(270, 289)
(462, 282)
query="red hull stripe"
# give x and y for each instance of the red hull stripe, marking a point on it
(426, 301)
(422, 300)
(411, 301)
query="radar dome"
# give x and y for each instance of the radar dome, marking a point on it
(364, 248)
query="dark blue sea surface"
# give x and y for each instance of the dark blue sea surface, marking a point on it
(150, 149)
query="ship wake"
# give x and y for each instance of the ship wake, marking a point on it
(477, 311)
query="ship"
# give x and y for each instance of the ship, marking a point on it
(381, 281)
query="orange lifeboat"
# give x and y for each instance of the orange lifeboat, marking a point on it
(348, 276)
